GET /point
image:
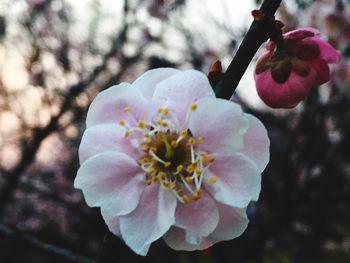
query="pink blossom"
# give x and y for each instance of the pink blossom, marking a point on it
(162, 157)
(287, 71)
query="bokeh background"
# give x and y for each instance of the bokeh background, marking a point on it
(56, 55)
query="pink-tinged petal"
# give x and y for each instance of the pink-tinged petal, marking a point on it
(109, 105)
(238, 180)
(302, 33)
(150, 220)
(198, 218)
(104, 138)
(321, 72)
(111, 221)
(111, 180)
(176, 239)
(256, 143)
(327, 51)
(233, 222)
(182, 89)
(148, 81)
(221, 124)
(286, 95)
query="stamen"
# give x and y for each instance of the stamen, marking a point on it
(142, 124)
(212, 179)
(127, 109)
(197, 195)
(122, 122)
(193, 106)
(185, 198)
(179, 168)
(174, 144)
(127, 133)
(167, 164)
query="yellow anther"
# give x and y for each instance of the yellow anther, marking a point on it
(155, 179)
(191, 167)
(167, 164)
(147, 136)
(194, 106)
(161, 175)
(168, 185)
(153, 149)
(164, 124)
(185, 198)
(184, 133)
(179, 168)
(199, 140)
(154, 160)
(127, 109)
(190, 140)
(212, 179)
(142, 124)
(127, 133)
(197, 195)
(189, 180)
(174, 144)
(143, 160)
(165, 111)
(198, 171)
(151, 170)
(149, 182)
(159, 122)
(143, 142)
(122, 122)
(179, 191)
(211, 158)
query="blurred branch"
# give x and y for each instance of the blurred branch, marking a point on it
(39, 134)
(45, 248)
(257, 34)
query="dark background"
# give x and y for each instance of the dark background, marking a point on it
(303, 212)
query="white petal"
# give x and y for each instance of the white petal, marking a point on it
(111, 221)
(176, 239)
(198, 218)
(221, 124)
(238, 180)
(111, 180)
(148, 81)
(105, 138)
(150, 220)
(233, 222)
(256, 143)
(109, 105)
(182, 89)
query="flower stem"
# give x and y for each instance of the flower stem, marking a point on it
(258, 33)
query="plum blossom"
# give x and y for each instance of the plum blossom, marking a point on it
(163, 157)
(288, 70)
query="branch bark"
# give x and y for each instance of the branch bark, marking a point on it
(45, 248)
(257, 34)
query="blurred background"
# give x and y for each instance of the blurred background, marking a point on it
(56, 55)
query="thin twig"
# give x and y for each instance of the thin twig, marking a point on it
(257, 34)
(43, 247)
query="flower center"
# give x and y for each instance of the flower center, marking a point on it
(171, 157)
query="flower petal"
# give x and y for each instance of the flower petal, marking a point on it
(150, 220)
(111, 180)
(238, 180)
(256, 143)
(233, 222)
(221, 124)
(198, 218)
(111, 221)
(182, 89)
(104, 138)
(148, 81)
(109, 105)
(176, 239)
(327, 51)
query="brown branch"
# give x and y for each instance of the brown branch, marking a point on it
(40, 246)
(257, 34)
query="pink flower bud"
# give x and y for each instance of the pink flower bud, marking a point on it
(287, 71)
